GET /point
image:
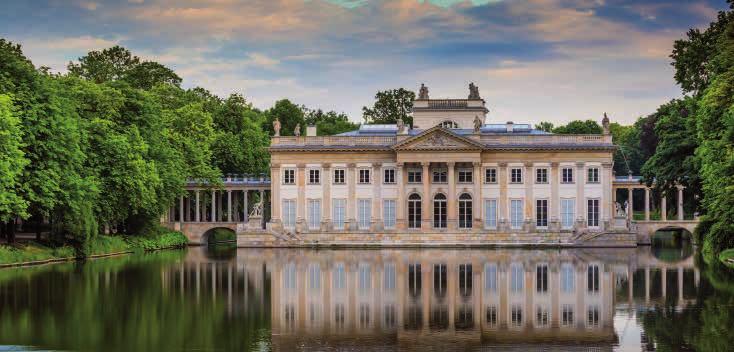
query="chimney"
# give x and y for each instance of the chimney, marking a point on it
(311, 131)
(510, 126)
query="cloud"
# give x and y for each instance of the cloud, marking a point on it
(56, 52)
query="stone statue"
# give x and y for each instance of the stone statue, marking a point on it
(474, 92)
(618, 210)
(477, 124)
(257, 210)
(627, 207)
(276, 127)
(401, 125)
(605, 124)
(423, 92)
(297, 130)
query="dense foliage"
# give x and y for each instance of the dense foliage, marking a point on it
(391, 105)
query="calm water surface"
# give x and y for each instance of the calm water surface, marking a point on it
(221, 299)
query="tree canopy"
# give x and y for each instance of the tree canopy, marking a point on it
(390, 105)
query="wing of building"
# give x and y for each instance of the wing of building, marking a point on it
(450, 173)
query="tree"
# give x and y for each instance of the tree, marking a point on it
(579, 127)
(389, 106)
(12, 163)
(545, 126)
(289, 115)
(329, 123)
(118, 63)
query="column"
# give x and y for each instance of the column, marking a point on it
(273, 202)
(351, 223)
(607, 202)
(229, 205)
(477, 201)
(326, 197)
(664, 209)
(377, 197)
(262, 201)
(198, 208)
(274, 195)
(301, 198)
(647, 203)
(555, 208)
(451, 211)
(529, 199)
(401, 201)
(680, 202)
(630, 199)
(426, 211)
(214, 206)
(181, 214)
(503, 202)
(580, 197)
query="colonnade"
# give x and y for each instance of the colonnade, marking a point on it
(208, 205)
(647, 202)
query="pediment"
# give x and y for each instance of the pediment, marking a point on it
(438, 138)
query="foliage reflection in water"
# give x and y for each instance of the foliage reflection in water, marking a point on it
(290, 299)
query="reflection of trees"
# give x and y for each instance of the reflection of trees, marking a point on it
(121, 304)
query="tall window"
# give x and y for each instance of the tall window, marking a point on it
(314, 176)
(415, 176)
(364, 213)
(289, 176)
(592, 278)
(490, 213)
(339, 176)
(465, 176)
(516, 175)
(490, 175)
(592, 175)
(414, 211)
(592, 212)
(439, 211)
(516, 213)
(388, 211)
(465, 211)
(541, 212)
(289, 213)
(339, 208)
(541, 278)
(566, 175)
(389, 176)
(439, 176)
(314, 213)
(541, 175)
(568, 209)
(364, 175)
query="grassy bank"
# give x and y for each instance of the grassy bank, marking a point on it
(100, 245)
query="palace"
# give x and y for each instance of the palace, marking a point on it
(451, 176)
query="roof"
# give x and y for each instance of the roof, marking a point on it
(488, 129)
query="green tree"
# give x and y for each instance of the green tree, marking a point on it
(289, 115)
(12, 163)
(389, 106)
(118, 63)
(579, 127)
(544, 126)
(329, 123)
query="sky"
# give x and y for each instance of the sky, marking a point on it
(535, 60)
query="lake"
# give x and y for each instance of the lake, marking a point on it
(220, 299)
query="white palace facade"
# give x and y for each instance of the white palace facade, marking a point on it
(450, 174)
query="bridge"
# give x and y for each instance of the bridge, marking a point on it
(227, 205)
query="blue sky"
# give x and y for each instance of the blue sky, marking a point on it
(541, 60)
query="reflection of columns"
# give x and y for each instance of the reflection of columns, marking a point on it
(680, 202)
(647, 285)
(630, 210)
(696, 276)
(630, 279)
(426, 209)
(198, 208)
(451, 203)
(229, 205)
(680, 283)
(401, 201)
(664, 209)
(664, 280)
(647, 204)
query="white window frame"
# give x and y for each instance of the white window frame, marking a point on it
(340, 180)
(289, 180)
(567, 178)
(542, 171)
(593, 221)
(568, 212)
(365, 176)
(314, 214)
(490, 171)
(389, 208)
(415, 176)
(593, 171)
(388, 176)
(516, 176)
(364, 213)
(465, 172)
(517, 216)
(314, 176)
(538, 205)
(443, 175)
(289, 213)
(490, 213)
(339, 208)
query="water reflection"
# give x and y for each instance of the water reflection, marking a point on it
(287, 299)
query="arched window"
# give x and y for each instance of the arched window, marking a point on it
(465, 211)
(439, 211)
(414, 211)
(449, 124)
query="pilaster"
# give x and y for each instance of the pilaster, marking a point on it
(555, 209)
(580, 196)
(400, 203)
(301, 198)
(326, 197)
(426, 208)
(529, 179)
(477, 201)
(377, 224)
(504, 205)
(451, 211)
(351, 221)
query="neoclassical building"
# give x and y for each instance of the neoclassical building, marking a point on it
(450, 173)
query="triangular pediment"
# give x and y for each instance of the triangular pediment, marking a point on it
(438, 138)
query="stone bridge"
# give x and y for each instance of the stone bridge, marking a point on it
(645, 229)
(196, 231)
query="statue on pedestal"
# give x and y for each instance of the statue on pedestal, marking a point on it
(605, 124)
(474, 92)
(423, 92)
(276, 127)
(297, 130)
(477, 124)
(401, 125)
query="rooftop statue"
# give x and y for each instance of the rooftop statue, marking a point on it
(401, 125)
(605, 124)
(477, 124)
(423, 93)
(276, 127)
(297, 130)
(474, 92)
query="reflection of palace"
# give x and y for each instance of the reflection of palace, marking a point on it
(438, 297)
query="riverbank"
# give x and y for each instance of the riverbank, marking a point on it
(32, 253)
